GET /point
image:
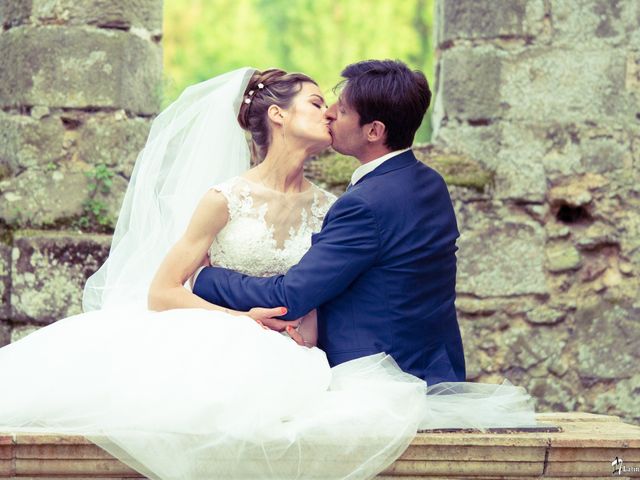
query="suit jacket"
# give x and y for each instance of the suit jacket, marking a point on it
(381, 274)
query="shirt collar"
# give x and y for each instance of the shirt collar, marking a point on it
(369, 167)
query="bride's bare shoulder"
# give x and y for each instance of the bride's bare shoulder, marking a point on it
(214, 197)
(223, 193)
(224, 199)
(209, 217)
(213, 203)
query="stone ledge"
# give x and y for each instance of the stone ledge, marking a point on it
(584, 447)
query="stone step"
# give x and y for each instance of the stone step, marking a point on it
(566, 445)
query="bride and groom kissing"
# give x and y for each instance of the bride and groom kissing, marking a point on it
(195, 383)
(381, 271)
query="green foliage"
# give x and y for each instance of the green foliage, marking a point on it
(101, 179)
(95, 212)
(462, 171)
(336, 169)
(203, 38)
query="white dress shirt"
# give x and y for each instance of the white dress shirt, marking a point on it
(369, 167)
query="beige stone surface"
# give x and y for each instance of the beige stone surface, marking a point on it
(584, 447)
(584, 84)
(57, 449)
(545, 96)
(47, 163)
(465, 468)
(470, 19)
(483, 271)
(42, 197)
(436, 449)
(121, 14)
(18, 332)
(29, 142)
(49, 270)
(70, 467)
(78, 67)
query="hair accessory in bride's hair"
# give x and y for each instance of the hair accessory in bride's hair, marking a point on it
(251, 92)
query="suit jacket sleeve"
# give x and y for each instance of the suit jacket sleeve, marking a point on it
(347, 245)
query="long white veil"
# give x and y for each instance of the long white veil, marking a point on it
(194, 144)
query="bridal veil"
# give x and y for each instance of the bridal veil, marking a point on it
(193, 144)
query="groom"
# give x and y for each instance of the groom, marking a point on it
(382, 270)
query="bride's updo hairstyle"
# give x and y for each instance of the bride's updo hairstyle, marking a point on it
(271, 87)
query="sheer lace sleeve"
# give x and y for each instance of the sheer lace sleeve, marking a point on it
(321, 204)
(238, 198)
(268, 231)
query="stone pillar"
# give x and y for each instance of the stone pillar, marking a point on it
(79, 83)
(545, 96)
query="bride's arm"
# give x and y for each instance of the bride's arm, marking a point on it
(189, 253)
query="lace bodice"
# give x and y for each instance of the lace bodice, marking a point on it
(268, 231)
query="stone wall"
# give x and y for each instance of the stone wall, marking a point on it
(545, 95)
(79, 83)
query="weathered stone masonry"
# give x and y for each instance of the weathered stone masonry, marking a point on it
(79, 83)
(545, 95)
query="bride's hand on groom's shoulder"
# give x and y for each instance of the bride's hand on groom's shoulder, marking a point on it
(266, 317)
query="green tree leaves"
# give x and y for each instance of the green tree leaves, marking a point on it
(203, 38)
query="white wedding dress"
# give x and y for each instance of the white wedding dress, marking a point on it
(194, 394)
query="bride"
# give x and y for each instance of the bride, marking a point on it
(182, 389)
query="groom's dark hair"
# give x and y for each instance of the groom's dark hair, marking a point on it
(390, 92)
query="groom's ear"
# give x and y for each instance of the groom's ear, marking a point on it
(276, 114)
(375, 131)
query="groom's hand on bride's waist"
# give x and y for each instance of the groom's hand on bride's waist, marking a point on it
(267, 317)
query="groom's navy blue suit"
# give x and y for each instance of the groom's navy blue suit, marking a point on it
(381, 273)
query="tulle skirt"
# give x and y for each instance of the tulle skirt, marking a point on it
(194, 394)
